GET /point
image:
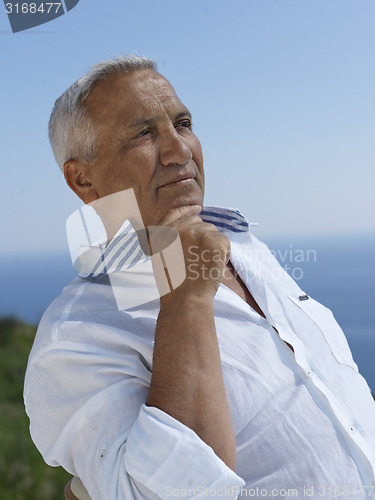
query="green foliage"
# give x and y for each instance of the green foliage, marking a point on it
(23, 473)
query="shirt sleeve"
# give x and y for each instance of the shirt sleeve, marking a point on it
(87, 413)
(183, 466)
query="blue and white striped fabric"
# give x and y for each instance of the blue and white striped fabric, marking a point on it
(225, 219)
(123, 252)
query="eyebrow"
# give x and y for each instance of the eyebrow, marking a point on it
(148, 121)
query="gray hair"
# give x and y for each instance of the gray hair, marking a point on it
(71, 130)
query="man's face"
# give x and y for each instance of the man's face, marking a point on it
(145, 142)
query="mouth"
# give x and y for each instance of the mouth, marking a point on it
(179, 180)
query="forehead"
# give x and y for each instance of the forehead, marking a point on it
(132, 95)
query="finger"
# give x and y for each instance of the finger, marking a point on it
(225, 248)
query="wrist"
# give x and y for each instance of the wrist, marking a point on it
(187, 298)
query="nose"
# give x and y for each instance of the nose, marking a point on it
(174, 149)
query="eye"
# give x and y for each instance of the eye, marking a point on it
(185, 123)
(144, 132)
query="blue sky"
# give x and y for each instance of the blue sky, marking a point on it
(281, 91)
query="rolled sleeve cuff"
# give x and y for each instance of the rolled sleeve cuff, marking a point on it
(172, 461)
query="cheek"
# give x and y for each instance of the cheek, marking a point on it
(120, 174)
(137, 173)
(197, 153)
(142, 170)
(198, 159)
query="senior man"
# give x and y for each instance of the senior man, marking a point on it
(236, 383)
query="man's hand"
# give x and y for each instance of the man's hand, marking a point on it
(187, 381)
(206, 250)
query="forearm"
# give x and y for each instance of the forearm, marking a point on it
(187, 381)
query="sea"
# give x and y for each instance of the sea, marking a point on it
(338, 272)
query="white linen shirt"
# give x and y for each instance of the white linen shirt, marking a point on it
(304, 420)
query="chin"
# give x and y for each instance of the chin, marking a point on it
(187, 202)
(186, 199)
(153, 216)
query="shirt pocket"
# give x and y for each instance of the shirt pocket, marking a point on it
(330, 329)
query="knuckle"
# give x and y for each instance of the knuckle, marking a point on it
(224, 240)
(191, 232)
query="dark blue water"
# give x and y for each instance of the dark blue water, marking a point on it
(339, 273)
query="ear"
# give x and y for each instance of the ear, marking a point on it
(77, 175)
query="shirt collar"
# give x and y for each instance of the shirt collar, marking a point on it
(225, 219)
(124, 251)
